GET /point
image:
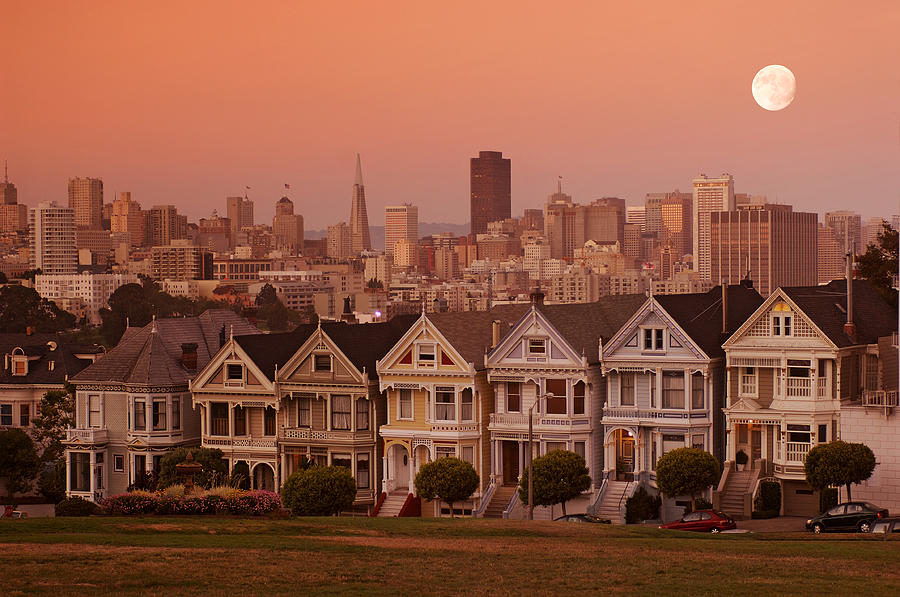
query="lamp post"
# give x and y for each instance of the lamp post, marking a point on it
(531, 453)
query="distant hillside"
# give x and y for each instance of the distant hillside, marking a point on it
(377, 232)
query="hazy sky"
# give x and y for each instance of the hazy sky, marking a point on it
(187, 102)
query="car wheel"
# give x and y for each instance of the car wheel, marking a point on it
(817, 528)
(714, 530)
(865, 526)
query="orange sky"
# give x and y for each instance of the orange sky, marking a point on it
(186, 102)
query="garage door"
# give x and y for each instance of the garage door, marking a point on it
(799, 499)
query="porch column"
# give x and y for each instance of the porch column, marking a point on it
(231, 419)
(93, 474)
(283, 472)
(384, 468)
(413, 465)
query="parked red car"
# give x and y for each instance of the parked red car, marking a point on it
(703, 521)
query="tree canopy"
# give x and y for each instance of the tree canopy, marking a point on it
(319, 491)
(22, 308)
(19, 462)
(214, 471)
(838, 463)
(686, 471)
(49, 428)
(878, 264)
(559, 476)
(448, 479)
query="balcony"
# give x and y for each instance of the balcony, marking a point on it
(239, 443)
(541, 422)
(322, 435)
(882, 398)
(87, 436)
(450, 427)
(795, 452)
(798, 387)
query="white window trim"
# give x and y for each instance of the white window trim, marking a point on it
(428, 363)
(235, 383)
(654, 330)
(545, 342)
(330, 363)
(741, 387)
(412, 405)
(777, 324)
(457, 399)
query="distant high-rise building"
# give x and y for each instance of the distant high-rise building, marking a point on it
(406, 253)
(710, 194)
(400, 222)
(52, 229)
(668, 216)
(831, 256)
(772, 244)
(180, 260)
(164, 224)
(339, 241)
(128, 218)
(359, 220)
(847, 227)
(446, 263)
(636, 214)
(240, 213)
(869, 233)
(533, 219)
(86, 198)
(490, 190)
(13, 215)
(568, 225)
(632, 244)
(287, 227)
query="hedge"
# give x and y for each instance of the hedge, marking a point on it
(242, 502)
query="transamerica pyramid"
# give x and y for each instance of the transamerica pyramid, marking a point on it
(359, 220)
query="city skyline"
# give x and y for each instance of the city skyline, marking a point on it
(636, 114)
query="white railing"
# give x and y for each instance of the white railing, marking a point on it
(238, 442)
(798, 386)
(822, 387)
(509, 419)
(307, 434)
(884, 398)
(455, 427)
(543, 422)
(90, 436)
(796, 451)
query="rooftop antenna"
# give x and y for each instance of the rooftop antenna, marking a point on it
(559, 185)
(5, 171)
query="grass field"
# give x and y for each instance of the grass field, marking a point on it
(239, 556)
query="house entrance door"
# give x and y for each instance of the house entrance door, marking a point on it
(510, 462)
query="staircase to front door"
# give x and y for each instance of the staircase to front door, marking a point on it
(392, 503)
(499, 501)
(612, 506)
(739, 484)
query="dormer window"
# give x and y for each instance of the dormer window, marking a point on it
(322, 362)
(782, 320)
(19, 362)
(537, 347)
(425, 355)
(234, 374)
(653, 339)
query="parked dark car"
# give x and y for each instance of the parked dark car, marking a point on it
(703, 521)
(849, 516)
(582, 518)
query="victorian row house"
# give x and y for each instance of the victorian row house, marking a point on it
(803, 360)
(274, 401)
(133, 405)
(439, 400)
(665, 372)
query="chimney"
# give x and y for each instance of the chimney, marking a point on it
(29, 330)
(850, 327)
(724, 307)
(189, 356)
(537, 297)
(495, 333)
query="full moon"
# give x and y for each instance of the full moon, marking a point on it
(773, 87)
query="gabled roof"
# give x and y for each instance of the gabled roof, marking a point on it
(700, 314)
(362, 343)
(471, 332)
(152, 355)
(583, 324)
(41, 353)
(826, 306)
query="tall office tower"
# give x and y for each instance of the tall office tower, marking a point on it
(832, 264)
(406, 253)
(13, 215)
(847, 228)
(240, 212)
(632, 244)
(668, 215)
(359, 220)
(533, 219)
(164, 225)
(128, 218)
(287, 227)
(568, 225)
(400, 222)
(490, 190)
(53, 238)
(772, 244)
(86, 198)
(710, 194)
(559, 223)
(446, 263)
(869, 233)
(340, 245)
(636, 214)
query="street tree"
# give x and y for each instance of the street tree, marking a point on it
(838, 463)
(686, 471)
(22, 308)
(19, 461)
(559, 476)
(319, 491)
(448, 479)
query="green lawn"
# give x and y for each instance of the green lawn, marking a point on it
(236, 556)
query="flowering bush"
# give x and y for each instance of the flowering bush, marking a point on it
(216, 501)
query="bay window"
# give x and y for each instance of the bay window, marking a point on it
(444, 404)
(340, 412)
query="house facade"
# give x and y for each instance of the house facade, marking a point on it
(133, 405)
(665, 372)
(793, 366)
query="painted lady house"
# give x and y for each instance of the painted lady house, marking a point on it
(793, 367)
(270, 401)
(133, 405)
(549, 364)
(438, 402)
(665, 373)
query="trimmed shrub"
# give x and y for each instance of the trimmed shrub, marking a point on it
(700, 503)
(447, 479)
(769, 497)
(136, 502)
(227, 501)
(240, 475)
(828, 499)
(642, 506)
(76, 506)
(319, 491)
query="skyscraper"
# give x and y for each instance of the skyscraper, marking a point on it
(567, 225)
(240, 212)
(710, 194)
(53, 238)
(128, 218)
(668, 215)
(359, 220)
(164, 225)
(771, 243)
(86, 198)
(287, 227)
(847, 226)
(8, 193)
(13, 215)
(489, 186)
(339, 241)
(400, 222)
